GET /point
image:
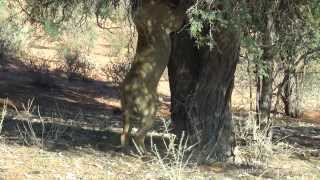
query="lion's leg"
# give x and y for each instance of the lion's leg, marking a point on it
(126, 129)
(154, 20)
(146, 124)
(142, 132)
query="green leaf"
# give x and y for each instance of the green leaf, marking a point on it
(52, 29)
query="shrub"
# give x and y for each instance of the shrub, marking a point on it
(175, 162)
(40, 71)
(13, 34)
(3, 115)
(76, 65)
(254, 144)
(116, 72)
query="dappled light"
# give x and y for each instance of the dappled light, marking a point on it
(159, 89)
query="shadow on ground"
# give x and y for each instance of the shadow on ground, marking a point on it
(55, 136)
(289, 131)
(56, 96)
(82, 113)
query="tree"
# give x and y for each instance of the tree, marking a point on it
(259, 35)
(201, 74)
(201, 83)
(203, 57)
(155, 20)
(281, 29)
(265, 79)
(299, 40)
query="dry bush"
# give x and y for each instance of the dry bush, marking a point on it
(254, 144)
(116, 72)
(14, 34)
(12, 37)
(40, 71)
(10, 42)
(3, 115)
(36, 64)
(311, 87)
(41, 134)
(75, 47)
(76, 65)
(25, 128)
(4, 49)
(172, 161)
(174, 164)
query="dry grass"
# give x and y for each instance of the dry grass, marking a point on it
(174, 160)
(258, 157)
(255, 146)
(3, 115)
(21, 162)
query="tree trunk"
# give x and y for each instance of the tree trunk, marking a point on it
(265, 69)
(183, 69)
(293, 85)
(201, 83)
(294, 78)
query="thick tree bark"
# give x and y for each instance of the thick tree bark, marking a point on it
(201, 83)
(184, 69)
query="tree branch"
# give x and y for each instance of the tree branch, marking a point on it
(305, 55)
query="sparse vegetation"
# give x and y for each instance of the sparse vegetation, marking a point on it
(254, 145)
(69, 129)
(76, 65)
(116, 72)
(39, 69)
(14, 35)
(174, 162)
(3, 115)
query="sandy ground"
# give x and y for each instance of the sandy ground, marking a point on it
(78, 116)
